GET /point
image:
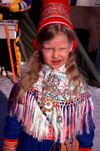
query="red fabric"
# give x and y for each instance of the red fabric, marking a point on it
(74, 44)
(10, 144)
(50, 134)
(11, 140)
(53, 20)
(85, 149)
(34, 42)
(64, 2)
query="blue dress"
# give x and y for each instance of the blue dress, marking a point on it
(26, 142)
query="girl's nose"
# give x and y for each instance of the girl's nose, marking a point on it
(55, 54)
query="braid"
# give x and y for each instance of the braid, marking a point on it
(74, 75)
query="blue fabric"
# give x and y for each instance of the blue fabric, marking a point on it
(12, 128)
(86, 140)
(28, 143)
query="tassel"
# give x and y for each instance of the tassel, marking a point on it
(64, 124)
(27, 108)
(61, 126)
(54, 124)
(30, 115)
(82, 117)
(69, 124)
(73, 121)
(86, 118)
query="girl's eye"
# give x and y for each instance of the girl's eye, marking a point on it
(64, 49)
(48, 49)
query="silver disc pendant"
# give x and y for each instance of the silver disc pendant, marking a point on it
(59, 119)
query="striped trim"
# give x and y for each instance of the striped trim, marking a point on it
(56, 8)
(22, 5)
(10, 144)
(53, 22)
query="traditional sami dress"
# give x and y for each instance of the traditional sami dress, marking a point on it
(47, 115)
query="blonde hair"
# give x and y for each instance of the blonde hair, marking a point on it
(74, 76)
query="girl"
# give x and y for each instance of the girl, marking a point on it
(52, 109)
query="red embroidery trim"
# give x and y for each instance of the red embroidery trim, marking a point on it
(10, 144)
(85, 149)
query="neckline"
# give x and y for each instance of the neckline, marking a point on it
(61, 69)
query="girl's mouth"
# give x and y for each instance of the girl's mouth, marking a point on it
(56, 62)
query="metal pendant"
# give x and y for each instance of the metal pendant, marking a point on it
(59, 119)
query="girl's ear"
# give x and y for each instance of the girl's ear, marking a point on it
(71, 47)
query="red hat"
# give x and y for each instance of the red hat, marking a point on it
(54, 11)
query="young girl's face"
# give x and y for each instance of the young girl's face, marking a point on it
(55, 52)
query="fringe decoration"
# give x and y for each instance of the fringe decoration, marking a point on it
(35, 122)
(82, 116)
(54, 124)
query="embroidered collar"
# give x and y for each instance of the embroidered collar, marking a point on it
(52, 82)
(61, 70)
